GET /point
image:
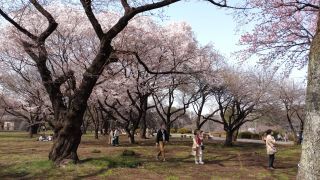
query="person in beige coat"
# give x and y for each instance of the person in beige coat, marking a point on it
(271, 149)
(196, 147)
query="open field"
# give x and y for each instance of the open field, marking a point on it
(25, 158)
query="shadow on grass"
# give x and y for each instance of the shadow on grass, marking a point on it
(106, 163)
(87, 168)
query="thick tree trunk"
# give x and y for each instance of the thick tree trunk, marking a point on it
(131, 138)
(65, 144)
(67, 135)
(33, 129)
(106, 126)
(168, 128)
(309, 166)
(229, 138)
(198, 124)
(30, 132)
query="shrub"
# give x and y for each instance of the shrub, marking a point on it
(245, 135)
(248, 135)
(173, 130)
(255, 136)
(184, 131)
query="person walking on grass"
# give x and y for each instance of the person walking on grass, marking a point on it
(111, 136)
(196, 147)
(271, 149)
(161, 139)
(116, 134)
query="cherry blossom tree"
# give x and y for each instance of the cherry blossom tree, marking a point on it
(68, 119)
(24, 98)
(292, 97)
(239, 98)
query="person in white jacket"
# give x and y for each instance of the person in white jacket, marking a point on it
(271, 149)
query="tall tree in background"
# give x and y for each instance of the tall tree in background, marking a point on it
(293, 99)
(239, 98)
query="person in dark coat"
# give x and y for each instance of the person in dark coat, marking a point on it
(161, 139)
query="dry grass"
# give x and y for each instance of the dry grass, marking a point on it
(22, 157)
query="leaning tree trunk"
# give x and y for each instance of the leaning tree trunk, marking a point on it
(229, 138)
(309, 166)
(294, 132)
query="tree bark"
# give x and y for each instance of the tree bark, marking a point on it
(229, 138)
(143, 122)
(66, 141)
(143, 127)
(168, 128)
(131, 138)
(96, 133)
(309, 166)
(33, 130)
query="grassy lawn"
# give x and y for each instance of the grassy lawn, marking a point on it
(25, 158)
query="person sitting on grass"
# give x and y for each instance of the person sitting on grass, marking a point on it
(42, 137)
(50, 137)
(161, 139)
(271, 149)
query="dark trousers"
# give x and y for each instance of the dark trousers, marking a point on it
(115, 141)
(271, 160)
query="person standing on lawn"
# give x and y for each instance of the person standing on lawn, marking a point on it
(161, 139)
(271, 149)
(116, 134)
(111, 136)
(196, 147)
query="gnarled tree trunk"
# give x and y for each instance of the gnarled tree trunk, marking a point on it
(66, 141)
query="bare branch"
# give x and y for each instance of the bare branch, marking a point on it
(92, 18)
(16, 25)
